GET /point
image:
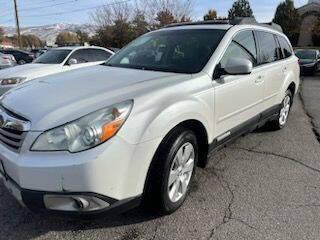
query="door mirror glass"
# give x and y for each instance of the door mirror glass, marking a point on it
(72, 61)
(238, 66)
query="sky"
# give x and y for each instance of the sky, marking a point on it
(44, 12)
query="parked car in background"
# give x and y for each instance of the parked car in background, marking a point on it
(37, 52)
(53, 61)
(105, 137)
(22, 57)
(7, 60)
(309, 60)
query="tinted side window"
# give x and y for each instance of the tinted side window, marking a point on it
(268, 48)
(246, 41)
(81, 56)
(286, 48)
(242, 46)
(98, 55)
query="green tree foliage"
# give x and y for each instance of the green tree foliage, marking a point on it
(240, 8)
(211, 15)
(316, 33)
(288, 18)
(1, 34)
(165, 17)
(83, 37)
(139, 25)
(67, 39)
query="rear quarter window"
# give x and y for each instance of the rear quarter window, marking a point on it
(285, 47)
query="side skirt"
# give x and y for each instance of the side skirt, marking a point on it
(244, 128)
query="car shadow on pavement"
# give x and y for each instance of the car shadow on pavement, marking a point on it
(28, 225)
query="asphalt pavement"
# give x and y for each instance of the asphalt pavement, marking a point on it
(264, 186)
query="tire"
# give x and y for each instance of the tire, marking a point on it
(283, 115)
(21, 62)
(162, 193)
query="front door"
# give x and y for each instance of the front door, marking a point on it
(238, 98)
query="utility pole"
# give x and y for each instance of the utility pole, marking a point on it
(17, 22)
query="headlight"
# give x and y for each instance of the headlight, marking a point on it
(86, 132)
(12, 81)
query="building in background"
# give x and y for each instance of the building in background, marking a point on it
(309, 16)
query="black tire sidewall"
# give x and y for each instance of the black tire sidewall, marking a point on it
(186, 136)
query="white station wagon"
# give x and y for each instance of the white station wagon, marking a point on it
(104, 138)
(54, 61)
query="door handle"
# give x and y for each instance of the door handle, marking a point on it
(259, 79)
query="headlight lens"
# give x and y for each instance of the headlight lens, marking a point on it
(12, 81)
(86, 132)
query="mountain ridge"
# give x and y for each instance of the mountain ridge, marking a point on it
(49, 33)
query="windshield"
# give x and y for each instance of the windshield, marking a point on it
(180, 51)
(306, 54)
(53, 57)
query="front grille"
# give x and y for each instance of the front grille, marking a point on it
(12, 138)
(13, 129)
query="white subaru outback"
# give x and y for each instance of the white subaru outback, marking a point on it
(105, 137)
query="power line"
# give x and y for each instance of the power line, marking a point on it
(76, 10)
(41, 7)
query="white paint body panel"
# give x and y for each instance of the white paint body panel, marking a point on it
(118, 168)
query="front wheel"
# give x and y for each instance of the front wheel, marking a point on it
(283, 115)
(172, 170)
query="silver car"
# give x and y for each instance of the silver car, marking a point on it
(7, 60)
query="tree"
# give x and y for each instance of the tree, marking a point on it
(288, 18)
(211, 15)
(82, 36)
(1, 34)
(119, 23)
(164, 18)
(240, 8)
(31, 41)
(316, 33)
(67, 39)
(139, 25)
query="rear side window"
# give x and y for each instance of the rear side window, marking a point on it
(285, 47)
(97, 55)
(90, 55)
(242, 46)
(268, 48)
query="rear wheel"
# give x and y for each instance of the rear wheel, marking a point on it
(283, 115)
(21, 62)
(171, 171)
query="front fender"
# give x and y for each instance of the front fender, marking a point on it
(162, 114)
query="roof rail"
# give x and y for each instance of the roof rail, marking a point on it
(235, 21)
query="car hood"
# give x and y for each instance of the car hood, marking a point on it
(30, 71)
(54, 100)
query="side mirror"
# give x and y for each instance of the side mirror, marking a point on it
(238, 66)
(72, 61)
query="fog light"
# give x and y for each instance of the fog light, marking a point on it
(74, 203)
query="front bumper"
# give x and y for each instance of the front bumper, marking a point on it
(114, 172)
(308, 68)
(37, 201)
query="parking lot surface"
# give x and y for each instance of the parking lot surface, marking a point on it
(263, 186)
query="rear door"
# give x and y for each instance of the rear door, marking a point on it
(238, 98)
(272, 66)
